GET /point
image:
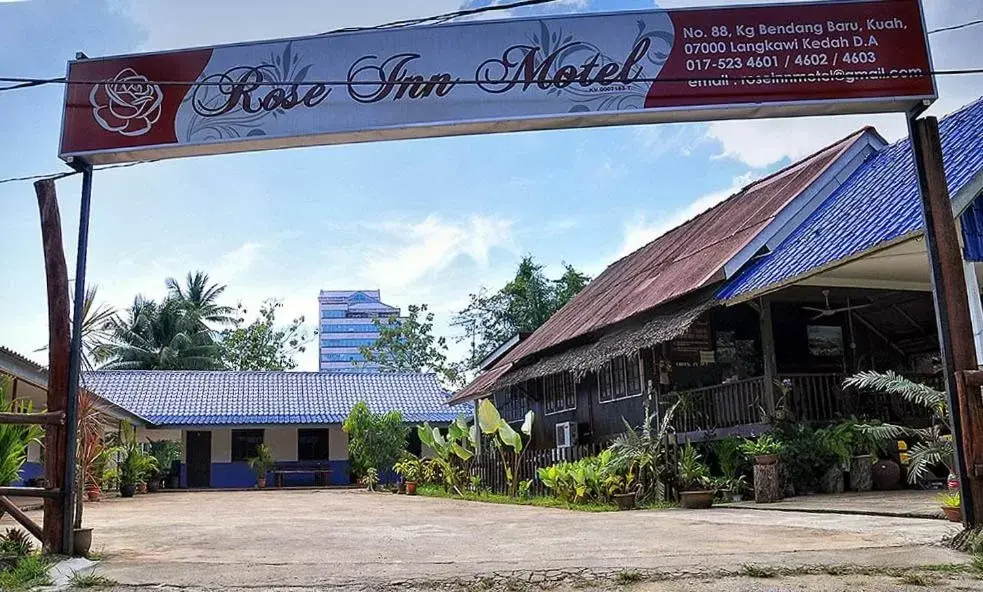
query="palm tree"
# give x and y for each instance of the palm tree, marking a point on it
(154, 336)
(935, 445)
(198, 297)
(97, 329)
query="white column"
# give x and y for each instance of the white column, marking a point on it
(975, 308)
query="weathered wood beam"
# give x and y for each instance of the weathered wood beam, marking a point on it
(30, 492)
(47, 418)
(22, 518)
(59, 347)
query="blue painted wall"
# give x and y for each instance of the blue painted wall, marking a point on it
(31, 470)
(238, 475)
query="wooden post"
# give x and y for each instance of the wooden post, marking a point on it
(768, 353)
(952, 313)
(59, 340)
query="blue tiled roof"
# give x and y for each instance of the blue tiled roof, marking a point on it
(172, 398)
(878, 203)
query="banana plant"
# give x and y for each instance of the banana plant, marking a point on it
(454, 452)
(491, 424)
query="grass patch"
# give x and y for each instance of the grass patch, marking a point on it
(627, 577)
(538, 501)
(949, 568)
(90, 580)
(758, 571)
(29, 572)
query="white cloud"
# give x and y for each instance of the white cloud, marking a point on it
(763, 142)
(433, 244)
(237, 261)
(639, 231)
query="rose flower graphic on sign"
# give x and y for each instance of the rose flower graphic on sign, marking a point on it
(129, 104)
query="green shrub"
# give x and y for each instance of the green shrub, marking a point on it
(374, 441)
(582, 480)
(27, 574)
(15, 543)
(765, 444)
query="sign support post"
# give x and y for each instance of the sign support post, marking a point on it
(951, 311)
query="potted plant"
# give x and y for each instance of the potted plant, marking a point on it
(261, 464)
(732, 488)
(694, 480)
(621, 489)
(410, 469)
(165, 452)
(837, 443)
(765, 449)
(134, 467)
(370, 479)
(951, 503)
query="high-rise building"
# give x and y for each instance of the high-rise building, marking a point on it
(346, 325)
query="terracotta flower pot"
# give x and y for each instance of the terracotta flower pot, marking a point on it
(766, 459)
(81, 542)
(93, 493)
(411, 488)
(141, 487)
(696, 500)
(953, 514)
(261, 482)
(624, 501)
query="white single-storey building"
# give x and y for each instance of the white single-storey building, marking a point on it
(220, 417)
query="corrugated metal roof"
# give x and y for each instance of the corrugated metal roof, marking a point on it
(683, 260)
(180, 398)
(877, 204)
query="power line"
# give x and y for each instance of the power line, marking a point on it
(833, 76)
(56, 176)
(441, 18)
(956, 27)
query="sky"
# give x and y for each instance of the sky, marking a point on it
(426, 221)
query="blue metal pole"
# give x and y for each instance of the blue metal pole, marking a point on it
(75, 365)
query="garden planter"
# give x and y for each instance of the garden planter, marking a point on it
(767, 484)
(93, 494)
(766, 459)
(81, 542)
(886, 475)
(411, 488)
(153, 486)
(861, 473)
(832, 481)
(261, 482)
(953, 514)
(625, 501)
(401, 488)
(127, 490)
(696, 500)
(141, 487)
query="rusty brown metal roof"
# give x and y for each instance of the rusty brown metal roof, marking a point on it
(683, 260)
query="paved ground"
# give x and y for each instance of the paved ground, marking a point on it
(905, 504)
(326, 538)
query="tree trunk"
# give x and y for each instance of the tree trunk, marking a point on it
(767, 485)
(59, 347)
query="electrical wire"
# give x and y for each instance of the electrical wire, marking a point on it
(56, 176)
(956, 27)
(441, 18)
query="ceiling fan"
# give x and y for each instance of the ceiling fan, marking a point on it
(828, 311)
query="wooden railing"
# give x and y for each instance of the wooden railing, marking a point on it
(721, 406)
(814, 397)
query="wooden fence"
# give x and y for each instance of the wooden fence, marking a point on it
(488, 467)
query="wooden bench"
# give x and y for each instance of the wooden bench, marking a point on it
(318, 470)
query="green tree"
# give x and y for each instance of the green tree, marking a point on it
(261, 344)
(199, 299)
(159, 336)
(409, 345)
(521, 306)
(374, 441)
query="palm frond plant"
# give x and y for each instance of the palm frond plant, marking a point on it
(643, 452)
(934, 445)
(261, 464)
(199, 299)
(14, 439)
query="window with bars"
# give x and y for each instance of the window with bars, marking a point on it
(512, 404)
(620, 378)
(559, 393)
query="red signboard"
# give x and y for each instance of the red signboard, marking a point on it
(493, 76)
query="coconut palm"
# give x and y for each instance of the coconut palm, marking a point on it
(153, 336)
(935, 445)
(199, 299)
(97, 328)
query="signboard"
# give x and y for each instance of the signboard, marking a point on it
(496, 76)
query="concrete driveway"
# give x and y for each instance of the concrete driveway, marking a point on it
(311, 538)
